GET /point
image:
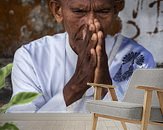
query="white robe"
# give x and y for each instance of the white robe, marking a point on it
(47, 64)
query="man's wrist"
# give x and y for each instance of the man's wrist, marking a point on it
(73, 93)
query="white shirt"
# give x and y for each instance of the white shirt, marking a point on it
(47, 64)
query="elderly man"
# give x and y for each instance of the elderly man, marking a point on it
(60, 66)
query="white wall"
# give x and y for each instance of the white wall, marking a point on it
(148, 18)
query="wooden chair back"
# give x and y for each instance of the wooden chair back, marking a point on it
(144, 77)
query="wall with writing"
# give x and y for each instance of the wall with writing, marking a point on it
(143, 21)
(25, 20)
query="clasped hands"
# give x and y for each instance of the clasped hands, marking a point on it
(93, 59)
(92, 64)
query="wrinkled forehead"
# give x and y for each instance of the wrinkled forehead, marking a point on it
(88, 1)
(118, 4)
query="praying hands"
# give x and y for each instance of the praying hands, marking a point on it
(92, 65)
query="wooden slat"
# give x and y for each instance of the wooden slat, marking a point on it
(101, 85)
(97, 94)
(119, 119)
(156, 123)
(94, 121)
(160, 98)
(124, 125)
(146, 109)
(113, 94)
(150, 88)
(128, 120)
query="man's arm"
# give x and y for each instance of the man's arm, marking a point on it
(24, 78)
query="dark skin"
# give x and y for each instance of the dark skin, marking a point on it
(87, 23)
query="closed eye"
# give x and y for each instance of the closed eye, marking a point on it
(105, 11)
(78, 11)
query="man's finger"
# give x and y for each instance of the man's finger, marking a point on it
(94, 37)
(87, 34)
(100, 38)
(90, 21)
(100, 48)
(97, 25)
(92, 28)
(99, 55)
(93, 57)
(94, 40)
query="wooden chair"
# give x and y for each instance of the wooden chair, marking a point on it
(138, 107)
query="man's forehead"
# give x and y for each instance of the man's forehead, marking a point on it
(119, 4)
(92, 1)
(87, 1)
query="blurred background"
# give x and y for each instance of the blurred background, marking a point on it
(24, 20)
(20, 22)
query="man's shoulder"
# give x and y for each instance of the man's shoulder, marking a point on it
(132, 44)
(130, 41)
(128, 47)
(125, 43)
(43, 46)
(133, 49)
(46, 41)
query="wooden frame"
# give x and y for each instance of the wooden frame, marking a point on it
(146, 106)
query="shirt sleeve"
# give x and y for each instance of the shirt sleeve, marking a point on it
(24, 79)
(149, 61)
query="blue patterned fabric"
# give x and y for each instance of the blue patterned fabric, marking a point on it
(131, 58)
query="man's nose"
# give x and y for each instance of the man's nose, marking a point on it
(90, 17)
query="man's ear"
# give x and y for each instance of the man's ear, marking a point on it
(55, 7)
(119, 6)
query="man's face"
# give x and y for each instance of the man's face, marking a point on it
(77, 13)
